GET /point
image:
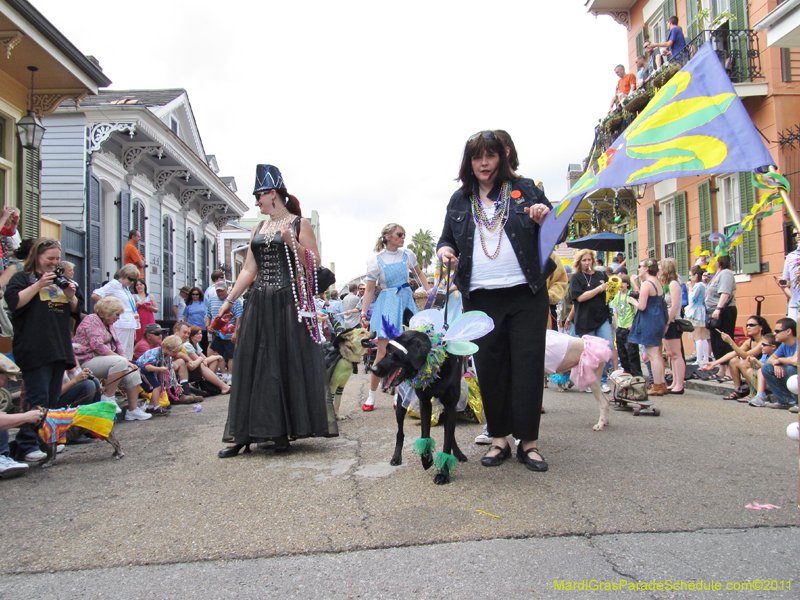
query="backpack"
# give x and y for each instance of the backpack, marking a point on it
(627, 387)
(684, 295)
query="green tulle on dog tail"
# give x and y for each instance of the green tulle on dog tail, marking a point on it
(424, 446)
(445, 460)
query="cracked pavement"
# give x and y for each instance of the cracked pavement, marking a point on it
(172, 504)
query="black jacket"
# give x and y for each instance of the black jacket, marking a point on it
(523, 232)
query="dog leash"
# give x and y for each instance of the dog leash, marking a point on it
(446, 293)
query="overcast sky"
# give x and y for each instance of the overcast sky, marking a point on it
(364, 106)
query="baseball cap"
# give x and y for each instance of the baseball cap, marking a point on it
(153, 328)
(221, 285)
(185, 289)
(7, 367)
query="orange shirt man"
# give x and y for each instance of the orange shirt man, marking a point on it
(132, 255)
(625, 85)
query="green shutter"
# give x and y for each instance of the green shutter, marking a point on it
(681, 236)
(706, 217)
(751, 256)
(651, 232)
(670, 10)
(692, 24)
(640, 42)
(739, 9)
(31, 175)
(631, 247)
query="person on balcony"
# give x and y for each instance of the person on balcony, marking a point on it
(675, 41)
(625, 85)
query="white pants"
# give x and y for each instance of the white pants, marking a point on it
(127, 337)
(792, 312)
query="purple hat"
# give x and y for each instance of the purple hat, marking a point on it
(268, 178)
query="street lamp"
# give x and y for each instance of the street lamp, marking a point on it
(29, 128)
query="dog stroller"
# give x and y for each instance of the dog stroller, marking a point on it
(630, 393)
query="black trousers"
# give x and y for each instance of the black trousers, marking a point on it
(727, 323)
(628, 353)
(510, 359)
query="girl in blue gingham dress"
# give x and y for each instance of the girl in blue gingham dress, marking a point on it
(389, 269)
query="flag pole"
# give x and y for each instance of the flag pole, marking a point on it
(787, 204)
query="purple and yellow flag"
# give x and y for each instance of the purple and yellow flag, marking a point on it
(694, 125)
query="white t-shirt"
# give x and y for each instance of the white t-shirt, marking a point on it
(504, 271)
(128, 319)
(375, 270)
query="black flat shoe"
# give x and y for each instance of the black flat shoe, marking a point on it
(231, 451)
(676, 393)
(524, 457)
(497, 459)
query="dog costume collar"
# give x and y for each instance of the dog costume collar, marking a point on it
(433, 363)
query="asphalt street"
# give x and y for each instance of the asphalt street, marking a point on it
(648, 500)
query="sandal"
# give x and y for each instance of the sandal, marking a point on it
(724, 379)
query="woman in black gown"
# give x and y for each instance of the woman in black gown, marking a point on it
(279, 383)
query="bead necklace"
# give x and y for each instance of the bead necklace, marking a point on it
(496, 222)
(276, 223)
(304, 286)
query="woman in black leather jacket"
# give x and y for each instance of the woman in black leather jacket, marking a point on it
(492, 232)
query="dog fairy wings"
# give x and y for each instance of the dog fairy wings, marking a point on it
(458, 338)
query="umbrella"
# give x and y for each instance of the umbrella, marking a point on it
(605, 242)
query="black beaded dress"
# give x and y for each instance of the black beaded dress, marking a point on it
(280, 385)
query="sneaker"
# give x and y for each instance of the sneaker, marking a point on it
(757, 402)
(227, 378)
(484, 438)
(35, 456)
(157, 411)
(605, 388)
(60, 448)
(795, 409)
(137, 415)
(588, 390)
(10, 468)
(778, 405)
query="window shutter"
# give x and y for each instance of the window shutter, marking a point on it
(751, 255)
(31, 175)
(692, 22)
(93, 228)
(706, 218)
(681, 237)
(670, 10)
(124, 223)
(640, 42)
(190, 253)
(739, 9)
(651, 232)
(167, 263)
(631, 248)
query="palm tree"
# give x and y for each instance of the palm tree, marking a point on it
(423, 246)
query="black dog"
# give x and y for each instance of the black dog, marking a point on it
(404, 358)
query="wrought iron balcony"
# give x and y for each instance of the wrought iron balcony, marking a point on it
(737, 49)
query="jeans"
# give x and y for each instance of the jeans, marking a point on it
(4, 442)
(604, 331)
(628, 353)
(777, 385)
(85, 392)
(42, 388)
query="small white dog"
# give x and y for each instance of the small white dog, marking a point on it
(585, 357)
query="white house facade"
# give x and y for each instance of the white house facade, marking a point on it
(134, 159)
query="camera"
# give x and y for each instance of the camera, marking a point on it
(783, 281)
(59, 278)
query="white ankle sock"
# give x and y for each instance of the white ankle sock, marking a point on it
(108, 399)
(762, 395)
(371, 398)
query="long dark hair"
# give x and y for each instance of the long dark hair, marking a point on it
(133, 286)
(189, 297)
(475, 146)
(765, 328)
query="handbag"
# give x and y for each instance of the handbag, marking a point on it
(712, 323)
(325, 279)
(684, 325)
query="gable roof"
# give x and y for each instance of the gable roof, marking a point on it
(149, 98)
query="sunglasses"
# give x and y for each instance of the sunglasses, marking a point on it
(751, 324)
(400, 234)
(778, 330)
(195, 294)
(487, 135)
(766, 345)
